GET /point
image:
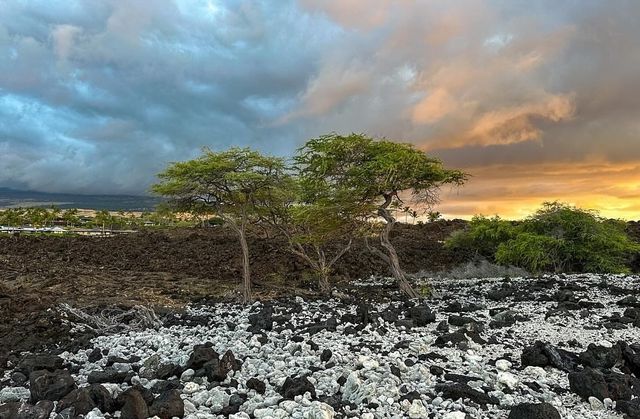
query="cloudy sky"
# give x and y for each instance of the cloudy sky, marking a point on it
(538, 100)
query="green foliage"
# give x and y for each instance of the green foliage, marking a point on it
(373, 176)
(232, 184)
(533, 252)
(373, 171)
(482, 237)
(558, 238)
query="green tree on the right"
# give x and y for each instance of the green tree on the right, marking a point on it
(377, 175)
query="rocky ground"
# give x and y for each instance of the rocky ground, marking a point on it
(168, 269)
(550, 347)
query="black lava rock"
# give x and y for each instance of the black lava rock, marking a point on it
(422, 315)
(591, 382)
(167, 405)
(18, 410)
(108, 375)
(258, 385)
(95, 355)
(133, 405)
(601, 357)
(79, 400)
(463, 391)
(297, 386)
(200, 356)
(542, 354)
(631, 408)
(46, 385)
(168, 370)
(534, 411)
(262, 321)
(31, 363)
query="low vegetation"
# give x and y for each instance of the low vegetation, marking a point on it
(557, 238)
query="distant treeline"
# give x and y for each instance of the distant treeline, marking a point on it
(112, 220)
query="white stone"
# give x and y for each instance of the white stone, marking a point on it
(288, 405)
(268, 413)
(473, 358)
(595, 403)
(217, 400)
(503, 365)
(113, 389)
(537, 372)
(240, 415)
(417, 410)
(200, 398)
(608, 403)
(189, 407)
(455, 415)
(14, 394)
(319, 411)
(355, 390)
(367, 415)
(368, 363)
(187, 375)
(190, 388)
(121, 367)
(508, 379)
(94, 414)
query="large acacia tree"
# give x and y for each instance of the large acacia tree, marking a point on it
(380, 175)
(230, 184)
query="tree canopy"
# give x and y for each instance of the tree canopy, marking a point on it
(376, 174)
(233, 184)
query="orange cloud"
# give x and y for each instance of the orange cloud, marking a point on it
(361, 14)
(516, 124)
(516, 191)
(433, 107)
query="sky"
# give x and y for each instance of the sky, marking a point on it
(537, 100)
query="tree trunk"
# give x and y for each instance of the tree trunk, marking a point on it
(325, 288)
(393, 260)
(246, 271)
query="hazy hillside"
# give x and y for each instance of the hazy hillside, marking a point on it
(15, 198)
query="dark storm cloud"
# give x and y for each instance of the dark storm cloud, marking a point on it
(97, 95)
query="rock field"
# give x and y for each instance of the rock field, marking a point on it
(549, 347)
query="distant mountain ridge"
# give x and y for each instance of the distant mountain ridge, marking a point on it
(11, 198)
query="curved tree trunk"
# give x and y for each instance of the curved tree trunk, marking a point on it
(392, 255)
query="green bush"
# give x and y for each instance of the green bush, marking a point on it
(557, 238)
(482, 237)
(533, 252)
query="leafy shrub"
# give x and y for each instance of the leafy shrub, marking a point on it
(558, 238)
(533, 252)
(482, 237)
